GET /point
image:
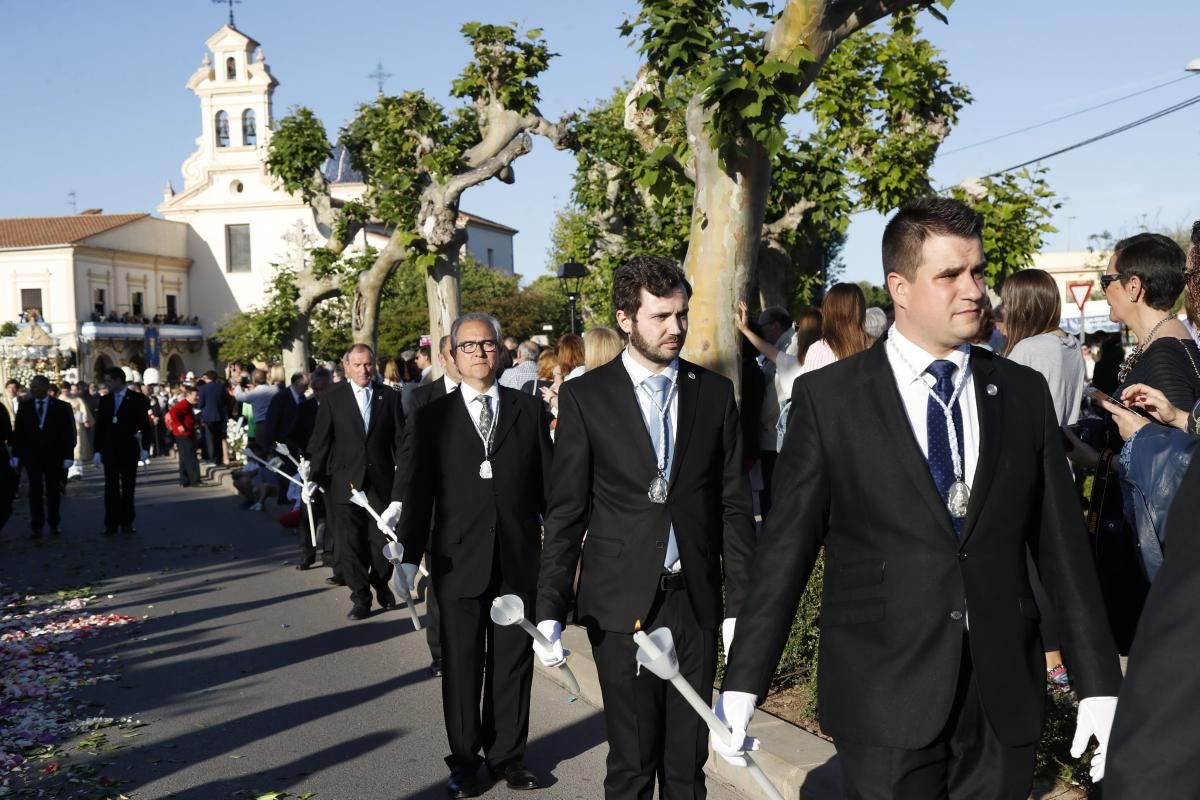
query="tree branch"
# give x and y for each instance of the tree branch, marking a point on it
(518, 145)
(790, 220)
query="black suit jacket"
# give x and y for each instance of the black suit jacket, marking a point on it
(344, 454)
(283, 413)
(117, 439)
(1153, 750)
(851, 477)
(306, 423)
(477, 521)
(214, 399)
(49, 445)
(603, 466)
(420, 397)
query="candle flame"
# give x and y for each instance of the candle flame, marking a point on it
(637, 625)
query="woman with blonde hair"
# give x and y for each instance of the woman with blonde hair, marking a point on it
(600, 346)
(843, 316)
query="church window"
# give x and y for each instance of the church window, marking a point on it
(172, 306)
(99, 301)
(31, 299)
(136, 304)
(222, 129)
(249, 133)
(237, 248)
(230, 68)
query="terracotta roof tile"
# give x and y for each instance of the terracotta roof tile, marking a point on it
(42, 231)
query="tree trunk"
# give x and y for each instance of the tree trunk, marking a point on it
(368, 291)
(772, 274)
(442, 293)
(727, 218)
(295, 347)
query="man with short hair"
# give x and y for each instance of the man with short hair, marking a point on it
(355, 442)
(182, 419)
(483, 458)
(214, 416)
(425, 363)
(524, 369)
(44, 444)
(122, 428)
(648, 463)
(926, 469)
(280, 425)
(259, 397)
(11, 399)
(306, 420)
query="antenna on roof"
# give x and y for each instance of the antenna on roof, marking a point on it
(378, 75)
(71, 201)
(230, 3)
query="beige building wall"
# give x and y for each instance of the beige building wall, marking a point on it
(1072, 266)
(47, 269)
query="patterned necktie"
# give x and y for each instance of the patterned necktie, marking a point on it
(941, 462)
(486, 428)
(659, 387)
(365, 396)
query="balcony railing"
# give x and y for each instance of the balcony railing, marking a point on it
(128, 330)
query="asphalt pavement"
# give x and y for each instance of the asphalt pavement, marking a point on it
(245, 671)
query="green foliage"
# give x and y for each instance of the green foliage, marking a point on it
(504, 67)
(297, 150)
(330, 333)
(240, 339)
(1016, 208)
(8, 328)
(876, 295)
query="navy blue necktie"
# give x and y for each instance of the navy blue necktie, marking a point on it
(941, 462)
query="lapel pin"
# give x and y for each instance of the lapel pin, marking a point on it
(692, 375)
(992, 390)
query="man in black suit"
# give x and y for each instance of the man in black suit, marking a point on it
(122, 428)
(283, 412)
(927, 469)
(648, 462)
(306, 421)
(356, 440)
(420, 397)
(214, 416)
(44, 443)
(482, 456)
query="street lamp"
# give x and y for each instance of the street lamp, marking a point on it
(570, 278)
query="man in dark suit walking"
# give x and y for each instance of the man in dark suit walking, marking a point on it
(122, 429)
(648, 462)
(482, 456)
(214, 416)
(356, 440)
(306, 421)
(927, 469)
(44, 444)
(283, 413)
(422, 396)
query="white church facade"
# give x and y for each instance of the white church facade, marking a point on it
(113, 288)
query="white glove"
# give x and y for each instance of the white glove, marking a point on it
(735, 709)
(68, 463)
(554, 655)
(97, 460)
(727, 626)
(1095, 719)
(306, 493)
(409, 571)
(389, 518)
(14, 462)
(305, 468)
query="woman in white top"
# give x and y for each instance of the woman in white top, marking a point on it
(843, 314)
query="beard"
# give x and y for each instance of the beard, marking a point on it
(656, 353)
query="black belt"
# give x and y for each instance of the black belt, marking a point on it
(670, 581)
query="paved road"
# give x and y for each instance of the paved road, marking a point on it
(247, 672)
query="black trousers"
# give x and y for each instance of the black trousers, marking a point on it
(214, 435)
(965, 762)
(120, 478)
(653, 734)
(433, 617)
(8, 490)
(45, 494)
(358, 550)
(486, 678)
(189, 465)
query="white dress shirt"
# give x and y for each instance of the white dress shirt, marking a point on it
(451, 385)
(473, 408)
(914, 391)
(638, 374)
(362, 402)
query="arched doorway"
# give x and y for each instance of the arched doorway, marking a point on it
(102, 363)
(175, 370)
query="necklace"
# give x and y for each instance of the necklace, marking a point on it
(1131, 361)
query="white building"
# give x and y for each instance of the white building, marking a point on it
(93, 277)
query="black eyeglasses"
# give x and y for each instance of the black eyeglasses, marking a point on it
(1107, 279)
(488, 345)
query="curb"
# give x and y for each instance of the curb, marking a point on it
(800, 764)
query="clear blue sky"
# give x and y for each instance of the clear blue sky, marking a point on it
(94, 98)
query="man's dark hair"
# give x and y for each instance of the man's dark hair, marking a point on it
(916, 221)
(1158, 261)
(13, 382)
(425, 351)
(657, 275)
(116, 373)
(210, 376)
(296, 376)
(776, 314)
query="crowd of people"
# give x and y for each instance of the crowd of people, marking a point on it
(936, 452)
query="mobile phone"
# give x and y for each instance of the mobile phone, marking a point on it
(1098, 396)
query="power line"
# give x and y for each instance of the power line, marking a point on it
(1126, 127)
(1066, 116)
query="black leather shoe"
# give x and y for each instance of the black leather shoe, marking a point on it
(387, 603)
(55, 530)
(128, 529)
(304, 565)
(462, 783)
(335, 581)
(435, 668)
(110, 531)
(358, 612)
(517, 776)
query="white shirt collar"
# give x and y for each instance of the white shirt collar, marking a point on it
(469, 394)
(638, 373)
(920, 359)
(360, 389)
(450, 385)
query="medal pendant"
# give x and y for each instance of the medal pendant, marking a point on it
(658, 489)
(114, 420)
(957, 499)
(485, 470)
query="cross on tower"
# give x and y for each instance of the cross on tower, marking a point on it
(230, 3)
(378, 75)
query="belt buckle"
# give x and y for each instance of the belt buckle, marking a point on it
(665, 580)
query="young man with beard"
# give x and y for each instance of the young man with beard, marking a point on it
(648, 462)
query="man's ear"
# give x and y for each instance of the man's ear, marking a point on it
(624, 321)
(897, 287)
